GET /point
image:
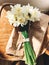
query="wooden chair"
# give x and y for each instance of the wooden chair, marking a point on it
(47, 52)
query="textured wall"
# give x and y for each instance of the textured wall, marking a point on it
(14, 1)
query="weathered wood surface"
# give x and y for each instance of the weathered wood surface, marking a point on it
(5, 31)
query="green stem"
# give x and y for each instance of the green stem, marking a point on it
(29, 52)
(26, 53)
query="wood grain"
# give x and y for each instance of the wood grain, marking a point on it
(5, 31)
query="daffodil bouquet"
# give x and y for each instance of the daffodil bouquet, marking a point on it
(21, 16)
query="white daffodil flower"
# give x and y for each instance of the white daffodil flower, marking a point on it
(35, 15)
(16, 24)
(19, 15)
(10, 17)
